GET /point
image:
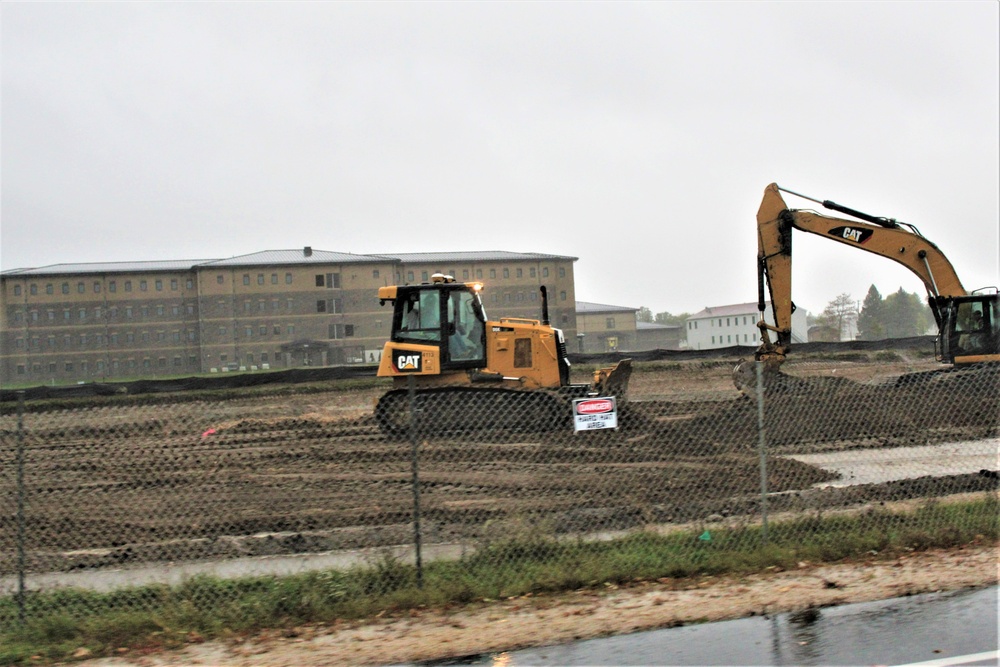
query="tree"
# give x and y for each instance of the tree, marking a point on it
(871, 319)
(840, 315)
(905, 315)
(644, 315)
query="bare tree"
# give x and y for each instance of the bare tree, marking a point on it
(840, 315)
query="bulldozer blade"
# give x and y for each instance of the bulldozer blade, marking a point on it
(613, 381)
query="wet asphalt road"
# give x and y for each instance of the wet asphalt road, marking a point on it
(937, 627)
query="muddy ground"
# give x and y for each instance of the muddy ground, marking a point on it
(311, 472)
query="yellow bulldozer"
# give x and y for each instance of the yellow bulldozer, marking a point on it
(469, 372)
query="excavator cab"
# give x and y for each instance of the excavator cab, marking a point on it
(970, 328)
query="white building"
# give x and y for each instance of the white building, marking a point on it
(725, 326)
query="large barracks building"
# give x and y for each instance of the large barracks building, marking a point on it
(267, 310)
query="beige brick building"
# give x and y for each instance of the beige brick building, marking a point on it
(272, 309)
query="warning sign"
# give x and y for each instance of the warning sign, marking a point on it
(590, 414)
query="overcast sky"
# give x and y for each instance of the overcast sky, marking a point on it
(636, 137)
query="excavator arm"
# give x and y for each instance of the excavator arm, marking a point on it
(888, 238)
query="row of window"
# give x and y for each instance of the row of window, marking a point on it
(327, 280)
(113, 313)
(81, 286)
(747, 319)
(467, 274)
(99, 366)
(98, 340)
(729, 339)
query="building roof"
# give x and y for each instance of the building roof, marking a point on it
(654, 326)
(586, 307)
(305, 255)
(296, 256)
(474, 256)
(108, 267)
(728, 311)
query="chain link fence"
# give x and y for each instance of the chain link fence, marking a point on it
(126, 494)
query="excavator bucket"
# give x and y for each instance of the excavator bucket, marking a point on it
(613, 381)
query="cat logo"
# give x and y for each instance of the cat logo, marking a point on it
(858, 236)
(408, 362)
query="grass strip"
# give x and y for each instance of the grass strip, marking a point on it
(64, 623)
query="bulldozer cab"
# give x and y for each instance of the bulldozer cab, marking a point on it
(446, 315)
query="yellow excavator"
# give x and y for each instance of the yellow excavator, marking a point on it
(471, 373)
(968, 322)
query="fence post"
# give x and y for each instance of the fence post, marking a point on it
(20, 508)
(762, 447)
(416, 480)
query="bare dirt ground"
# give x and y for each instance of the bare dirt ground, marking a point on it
(312, 473)
(549, 619)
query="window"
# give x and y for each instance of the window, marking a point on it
(274, 278)
(177, 361)
(262, 330)
(159, 310)
(321, 306)
(173, 284)
(246, 278)
(423, 276)
(128, 285)
(175, 310)
(260, 278)
(113, 339)
(520, 273)
(159, 285)
(144, 311)
(493, 273)
(82, 313)
(506, 273)
(49, 289)
(465, 274)
(562, 271)
(33, 289)
(713, 340)
(189, 283)
(112, 286)
(83, 340)
(128, 312)
(562, 295)
(248, 332)
(288, 279)
(17, 290)
(97, 313)
(175, 336)
(531, 272)
(340, 331)
(130, 337)
(610, 323)
(479, 273)
(222, 331)
(545, 272)
(219, 278)
(97, 288)
(143, 286)
(727, 321)
(320, 280)
(375, 274)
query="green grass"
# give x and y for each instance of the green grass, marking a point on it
(62, 622)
